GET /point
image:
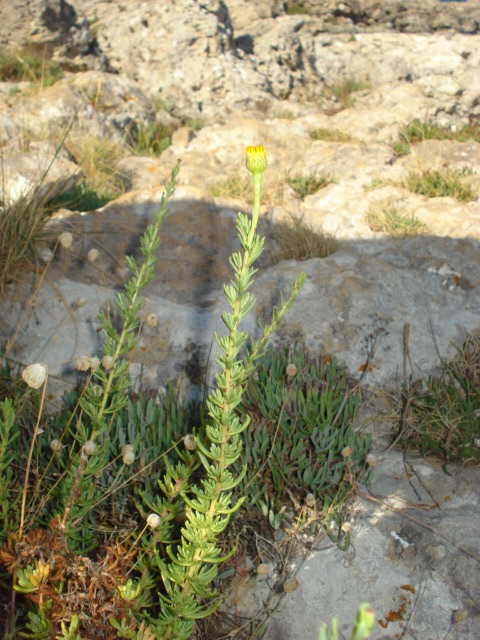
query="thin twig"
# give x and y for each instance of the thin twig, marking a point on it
(29, 461)
(414, 612)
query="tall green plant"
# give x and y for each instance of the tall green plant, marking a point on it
(54, 521)
(190, 567)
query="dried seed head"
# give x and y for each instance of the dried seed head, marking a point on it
(310, 500)
(262, 569)
(346, 452)
(189, 442)
(94, 363)
(56, 445)
(346, 526)
(46, 254)
(80, 302)
(108, 363)
(89, 447)
(371, 460)
(97, 389)
(66, 239)
(289, 586)
(153, 520)
(83, 363)
(151, 320)
(291, 370)
(129, 458)
(127, 448)
(93, 255)
(35, 374)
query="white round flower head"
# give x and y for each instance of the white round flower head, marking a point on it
(89, 447)
(108, 362)
(93, 255)
(127, 448)
(56, 445)
(189, 442)
(83, 363)
(94, 363)
(310, 500)
(151, 320)
(291, 370)
(35, 374)
(46, 254)
(66, 239)
(128, 458)
(371, 460)
(346, 526)
(153, 520)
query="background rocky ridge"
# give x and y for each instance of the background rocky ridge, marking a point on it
(217, 76)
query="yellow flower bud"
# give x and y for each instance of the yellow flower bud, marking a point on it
(256, 160)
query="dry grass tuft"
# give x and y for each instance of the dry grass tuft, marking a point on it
(439, 416)
(300, 241)
(98, 159)
(241, 187)
(386, 218)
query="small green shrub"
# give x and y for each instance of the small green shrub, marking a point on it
(284, 114)
(150, 139)
(306, 185)
(295, 8)
(344, 90)
(299, 241)
(440, 416)
(27, 65)
(98, 159)
(82, 197)
(417, 131)
(234, 187)
(300, 439)
(440, 183)
(388, 219)
(329, 135)
(195, 124)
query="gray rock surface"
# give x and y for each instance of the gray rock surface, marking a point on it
(414, 556)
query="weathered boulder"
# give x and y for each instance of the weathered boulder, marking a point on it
(405, 16)
(51, 26)
(96, 104)
(39, 170)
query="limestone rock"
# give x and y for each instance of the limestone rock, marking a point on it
(99, 103)
(399, 15)
(53, 26)
(39, 171)
(256, 75)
